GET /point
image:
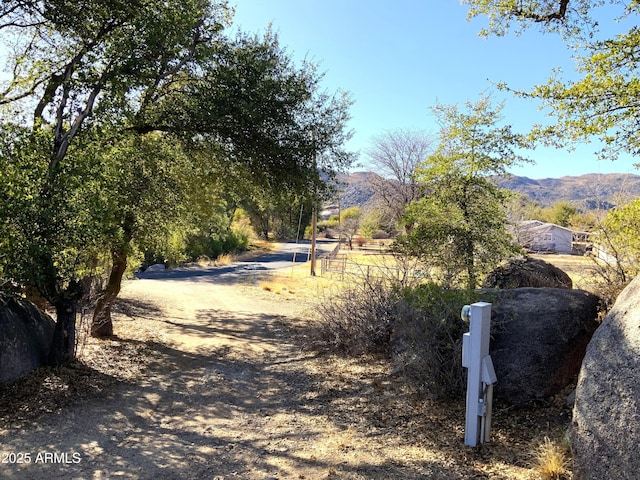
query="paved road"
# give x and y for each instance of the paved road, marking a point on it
(283, 257)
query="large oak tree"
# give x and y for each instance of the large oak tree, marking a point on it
(103, 89)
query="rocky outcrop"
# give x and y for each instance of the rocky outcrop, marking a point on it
(539, 339)
(25, 336)
(527, 272)
(606, 415)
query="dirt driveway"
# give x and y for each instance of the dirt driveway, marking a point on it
(214, 386)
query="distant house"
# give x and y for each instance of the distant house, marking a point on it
(539, 236)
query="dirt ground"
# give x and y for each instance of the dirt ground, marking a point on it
(209, 380)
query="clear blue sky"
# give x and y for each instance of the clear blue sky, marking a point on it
(399, 58)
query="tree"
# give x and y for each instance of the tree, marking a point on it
(520, 208)
(569, 17)
(395, 156)
(250, 111)
(617, 239)
(157, 74)
(350, 223)
(561, 213)
(76, 61)
(460, 227)
(145, 182)
(603, 103)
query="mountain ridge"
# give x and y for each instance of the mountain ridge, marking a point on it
(588, 191)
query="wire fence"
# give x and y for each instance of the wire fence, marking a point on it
(343, 266)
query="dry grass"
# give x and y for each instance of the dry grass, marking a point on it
(226, 259)
(579, 268)
(277, 287)
(550, 460)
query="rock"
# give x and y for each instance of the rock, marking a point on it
(25, 337)
(539, 339)
(527, 272)
(606, 417)
(158, 267)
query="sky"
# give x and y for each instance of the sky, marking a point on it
(399, 58)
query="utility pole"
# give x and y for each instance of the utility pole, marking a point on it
(314, 214)
(313, 239)
(314, 221)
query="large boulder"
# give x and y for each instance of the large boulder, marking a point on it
(606, 415)
(527, 272)
(25, 337)
(539, 339)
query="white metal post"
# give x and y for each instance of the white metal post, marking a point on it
(475, 357)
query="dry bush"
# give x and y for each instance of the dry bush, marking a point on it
(427, 343)
(419, 327)
(608, 280)
(225, 259)
(356, 319)
(550, 460)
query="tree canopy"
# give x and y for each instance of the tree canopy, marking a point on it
(459, 227)
(604, 102)
(116, 110)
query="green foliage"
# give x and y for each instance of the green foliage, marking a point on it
(212, 247)
(45, 225)
(618, 238)
(460, 227)
(140, 116)
(429, 337)
(569, 18)
(369, 226)
(603, 102)
(561, 213)
(332, 222)
(350, 223)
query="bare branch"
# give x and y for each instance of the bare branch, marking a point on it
(559, 14)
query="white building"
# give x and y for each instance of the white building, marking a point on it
(539, 236)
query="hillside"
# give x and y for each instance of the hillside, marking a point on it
(587, 192)
(355, 188)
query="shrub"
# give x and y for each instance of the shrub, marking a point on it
(200, 245)
(419, 327)
(427, 341)
(380, 235)
(357, 319)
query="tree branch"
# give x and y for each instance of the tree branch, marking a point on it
(559, 14)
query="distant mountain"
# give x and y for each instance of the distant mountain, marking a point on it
(587, 192)
(355, 188)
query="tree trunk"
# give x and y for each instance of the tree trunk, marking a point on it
(63, 345)
(102, 325)
(469, 254)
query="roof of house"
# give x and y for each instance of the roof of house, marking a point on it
(538, 226)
